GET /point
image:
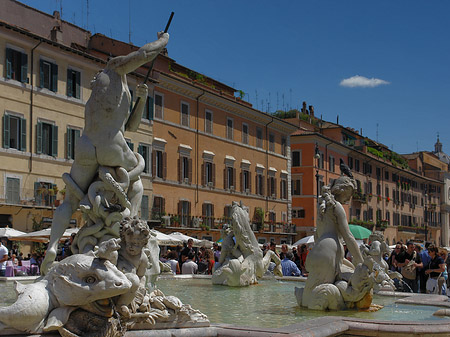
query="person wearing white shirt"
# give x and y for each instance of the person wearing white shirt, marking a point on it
(3, 257)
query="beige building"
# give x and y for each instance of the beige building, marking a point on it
(209, 148)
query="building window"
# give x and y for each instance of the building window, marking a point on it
(48, 75)
(227, 213)
(296, 158)
(159, 105)
(73, 83)
(184, 211)
(379, 189)
(271, 142)
(283, 146)
(185, 169)
(12, 190)
(245, 181)
(272, 187)
(350, 163)
(230, 128)
(184, 114)
(386, 192)
(244, 133)
(331, 163)
(44, 193)
(208, 176)
(158, 209)
(259, 138)
(296, 186)
(148, 110)
(159, 164)
(144, 151)
(386, 175)
(14, 132)
(130, 144)
(298, 213)
(259, 183)
(144, 207)
(47, 139)
(16, 65)
(357, 165)
(208, 121)
(321, 160)
(208, 214)
(229, 177)
(283, 188)
(72, 138)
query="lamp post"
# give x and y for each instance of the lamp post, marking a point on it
(426, 218)
(317, 157)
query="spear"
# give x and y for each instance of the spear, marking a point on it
(152, 64)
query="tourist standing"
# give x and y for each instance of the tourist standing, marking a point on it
(425, 261)
(173, 263)
(185, 252)
(189, 266)
(3, 256)
(288, 266)
(409, 261)
(303, 254)
(436, 266)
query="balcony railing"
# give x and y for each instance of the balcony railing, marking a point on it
(32, 197)
(359, 196)
(208, 223)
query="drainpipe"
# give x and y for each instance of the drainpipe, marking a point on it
(267, 160)
(196, 147)
(30, 165)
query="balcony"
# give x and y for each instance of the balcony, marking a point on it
(44, 196)
(359, 197)
(211, 223)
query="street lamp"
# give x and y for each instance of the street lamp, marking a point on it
(317, 157)
(426, 218)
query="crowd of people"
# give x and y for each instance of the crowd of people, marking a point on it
(424, 270)
(15, 257)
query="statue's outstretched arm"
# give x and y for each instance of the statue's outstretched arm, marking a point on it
(344, 230)
(128, 63)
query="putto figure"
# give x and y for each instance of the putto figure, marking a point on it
(102, 145)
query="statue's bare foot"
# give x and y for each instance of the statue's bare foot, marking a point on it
(50, 256)
(125, 311)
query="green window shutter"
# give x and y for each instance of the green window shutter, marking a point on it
(23, 134)
(54, 141)
(24, 68)
(144, 207)
(54, 85)
(78, 84)
(6, 131)
(141, 150)
(69, 143)
(151, 109)
(9, 57)
(41, 73)
(39, 137)
(37, 195)
(69, 83)
(53, 197)
(130, 145)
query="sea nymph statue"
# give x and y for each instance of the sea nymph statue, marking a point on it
(334, 282)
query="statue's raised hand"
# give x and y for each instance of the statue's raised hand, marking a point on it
(142, 91)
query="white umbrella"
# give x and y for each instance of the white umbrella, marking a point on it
(306, 240)
(166, 240)
(185, 238)
(42, 235)
(8, 232)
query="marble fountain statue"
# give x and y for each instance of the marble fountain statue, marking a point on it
(101, 289)
(241, 261)
(334, 282)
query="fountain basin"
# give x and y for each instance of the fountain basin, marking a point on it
(270, 308)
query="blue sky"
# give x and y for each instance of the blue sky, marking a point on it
(381, 62)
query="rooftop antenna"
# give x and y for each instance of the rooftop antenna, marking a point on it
(277, 100)
(290, 98)
(129, 21)
(256, 95)
(87, 14)
(377, 132)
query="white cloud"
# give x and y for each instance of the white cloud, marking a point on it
(362, 82)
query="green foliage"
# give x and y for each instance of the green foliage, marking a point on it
(38, 225)
(375, 152)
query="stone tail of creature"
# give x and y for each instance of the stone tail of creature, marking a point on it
(29, 311)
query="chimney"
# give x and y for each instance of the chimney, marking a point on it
(304, 110)
(311, 110)
(56, 33)
(337, 119)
